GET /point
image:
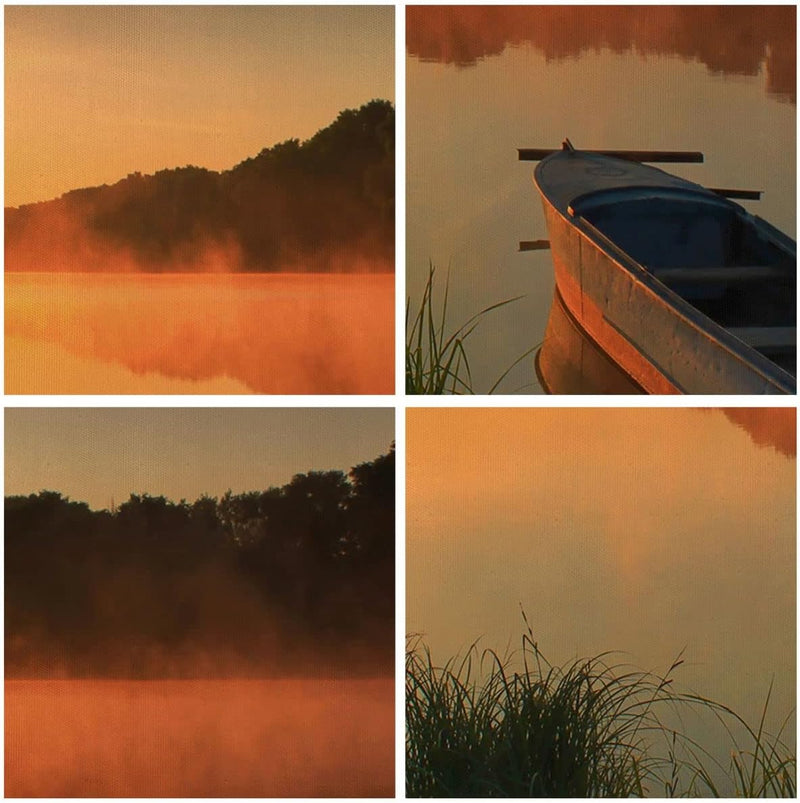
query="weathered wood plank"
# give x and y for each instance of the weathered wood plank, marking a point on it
(688, 157)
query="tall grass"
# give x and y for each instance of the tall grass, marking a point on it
(760, 764)
(475, 728)
(436, 354)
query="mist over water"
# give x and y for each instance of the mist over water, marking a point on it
(199, 738)
(51, 237)
(233, 646)
(202, 332)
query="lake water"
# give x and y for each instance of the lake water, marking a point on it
(192, 333)
(199, 738)
(482, 82)
(644, 531)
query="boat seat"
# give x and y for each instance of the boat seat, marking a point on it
(723, 273)
(767, 338)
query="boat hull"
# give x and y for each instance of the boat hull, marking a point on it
(570, 362)
(662, 343)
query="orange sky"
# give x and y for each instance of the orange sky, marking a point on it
(92, 455)
(480, 481)
(506, 458)
(93, 93)
(640, 530)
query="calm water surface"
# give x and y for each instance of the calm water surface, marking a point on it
(483, 82)
(189, 333)
(199, 738)
(644, 531)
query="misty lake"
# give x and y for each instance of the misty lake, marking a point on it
(199, 738)
(482, 82)
(199, 333)
(644, 532)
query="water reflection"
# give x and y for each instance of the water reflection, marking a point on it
(766, 428)
(639, 530)
(670, 78)
(745, 41)
(214, 333)
(226, 738)
(570, 362)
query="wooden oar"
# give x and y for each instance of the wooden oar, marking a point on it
(534, 245)
(748, 195)
(688, 157)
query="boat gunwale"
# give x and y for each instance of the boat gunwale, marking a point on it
(634, 175)
(596, 199)
(647, 180)
(701, 195)
(768, 371)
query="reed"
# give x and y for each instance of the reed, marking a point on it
(475, 728)
(760, 764)
(436, 355)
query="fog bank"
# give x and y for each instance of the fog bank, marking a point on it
(199, 739)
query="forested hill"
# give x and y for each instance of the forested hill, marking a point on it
(296, 580)
(325, 204)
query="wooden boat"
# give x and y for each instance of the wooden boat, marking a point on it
(682, 288)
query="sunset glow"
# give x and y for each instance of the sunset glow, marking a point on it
(199, 602)
(96, 92)
(96, 455)
(315, 739)
(160, 143)
(283, 333)
(483, 81)
(640, 530)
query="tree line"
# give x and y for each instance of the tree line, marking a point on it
(254, 582)
(293, 206)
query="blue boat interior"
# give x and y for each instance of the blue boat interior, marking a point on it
(730, 265)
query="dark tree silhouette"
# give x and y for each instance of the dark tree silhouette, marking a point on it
(295, 206)
(124, 592)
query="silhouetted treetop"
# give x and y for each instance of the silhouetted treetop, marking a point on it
(314, 558)
(324, 204)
